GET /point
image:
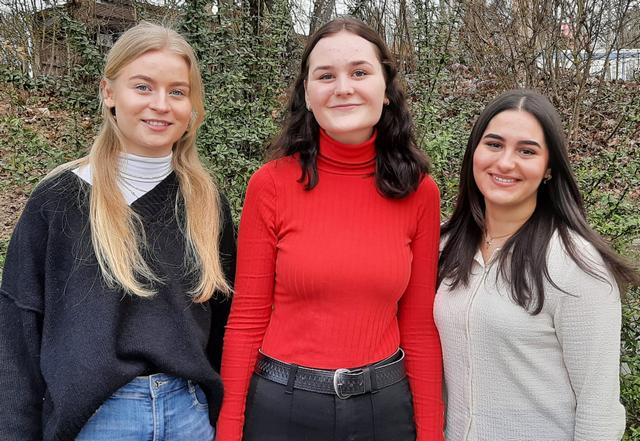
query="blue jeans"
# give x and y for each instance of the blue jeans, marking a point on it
(154, 408)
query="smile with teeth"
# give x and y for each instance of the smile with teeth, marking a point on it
(503, 180)
(154, 122)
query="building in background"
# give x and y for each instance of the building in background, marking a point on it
(103, 20)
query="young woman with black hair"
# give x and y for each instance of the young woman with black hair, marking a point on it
(337, 263)
(113, 299)
(528, 303)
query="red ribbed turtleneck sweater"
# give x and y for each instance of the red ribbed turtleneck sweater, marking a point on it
(338, 276)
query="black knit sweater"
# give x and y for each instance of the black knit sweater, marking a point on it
(67, 341)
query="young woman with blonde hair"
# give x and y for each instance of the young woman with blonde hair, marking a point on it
(114, 295)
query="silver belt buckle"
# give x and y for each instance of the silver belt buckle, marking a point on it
(337, 383)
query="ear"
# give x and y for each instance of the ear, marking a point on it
(547, 173)
(107, 94)
(306, 95)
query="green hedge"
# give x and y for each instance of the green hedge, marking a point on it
(247, 73)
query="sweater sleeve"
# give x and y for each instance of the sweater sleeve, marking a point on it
(252, 303)
(588, 327)
(418, 334)
(221, 304)
(21, 310)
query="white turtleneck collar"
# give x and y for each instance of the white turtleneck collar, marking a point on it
(138, 174)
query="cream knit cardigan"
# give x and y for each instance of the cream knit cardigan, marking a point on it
(512, 376)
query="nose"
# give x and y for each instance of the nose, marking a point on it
(159, 102)
(506, 160)
(343, 86)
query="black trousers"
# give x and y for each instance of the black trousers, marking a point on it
(272, 414)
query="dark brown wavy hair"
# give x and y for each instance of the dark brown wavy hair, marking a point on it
(400, 165)
(559, 207)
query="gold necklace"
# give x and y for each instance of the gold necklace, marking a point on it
(488, 240)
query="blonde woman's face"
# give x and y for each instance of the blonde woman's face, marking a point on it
(151, 98)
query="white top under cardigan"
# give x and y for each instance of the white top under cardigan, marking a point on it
(512, 376)
(138, 174)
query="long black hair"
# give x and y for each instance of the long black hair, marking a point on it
(559, 207)
(400, 165)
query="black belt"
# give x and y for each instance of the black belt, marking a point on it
(341, 382)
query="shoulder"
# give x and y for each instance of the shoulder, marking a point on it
(56, 183)
(54, 193)
(582, 278)
(282, 166)
(261, 179)
(424, 208)
(428, 187)
(41, 237)
(427, 199)
(281, 170)
(58, 203)
(559, 252)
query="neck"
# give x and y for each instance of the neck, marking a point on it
(340, 158)
(145, 168)
(139, 174)
(500, 221)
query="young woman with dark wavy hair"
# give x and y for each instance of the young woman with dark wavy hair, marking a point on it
(528, 304)
(331, 335)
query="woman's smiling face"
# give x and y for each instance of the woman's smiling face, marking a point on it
(345, 87)
(151, 97)
(511, 161)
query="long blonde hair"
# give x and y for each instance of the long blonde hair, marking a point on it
(117, 232)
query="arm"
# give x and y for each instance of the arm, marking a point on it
(252, 303)
(221, 304)
(418, 333)
(20, 380)
(588, 328)
(21, 384)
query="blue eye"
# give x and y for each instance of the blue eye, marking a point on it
(360, 73)
(142, 87)
(326, 76)
(177, 92)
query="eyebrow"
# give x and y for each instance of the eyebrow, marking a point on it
(524, 141)
(353, 63)
(151, 80)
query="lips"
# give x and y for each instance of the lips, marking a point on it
(503, 180)
(345, 106)
(156, 122)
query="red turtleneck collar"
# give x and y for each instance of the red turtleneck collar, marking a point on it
(349, 159)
